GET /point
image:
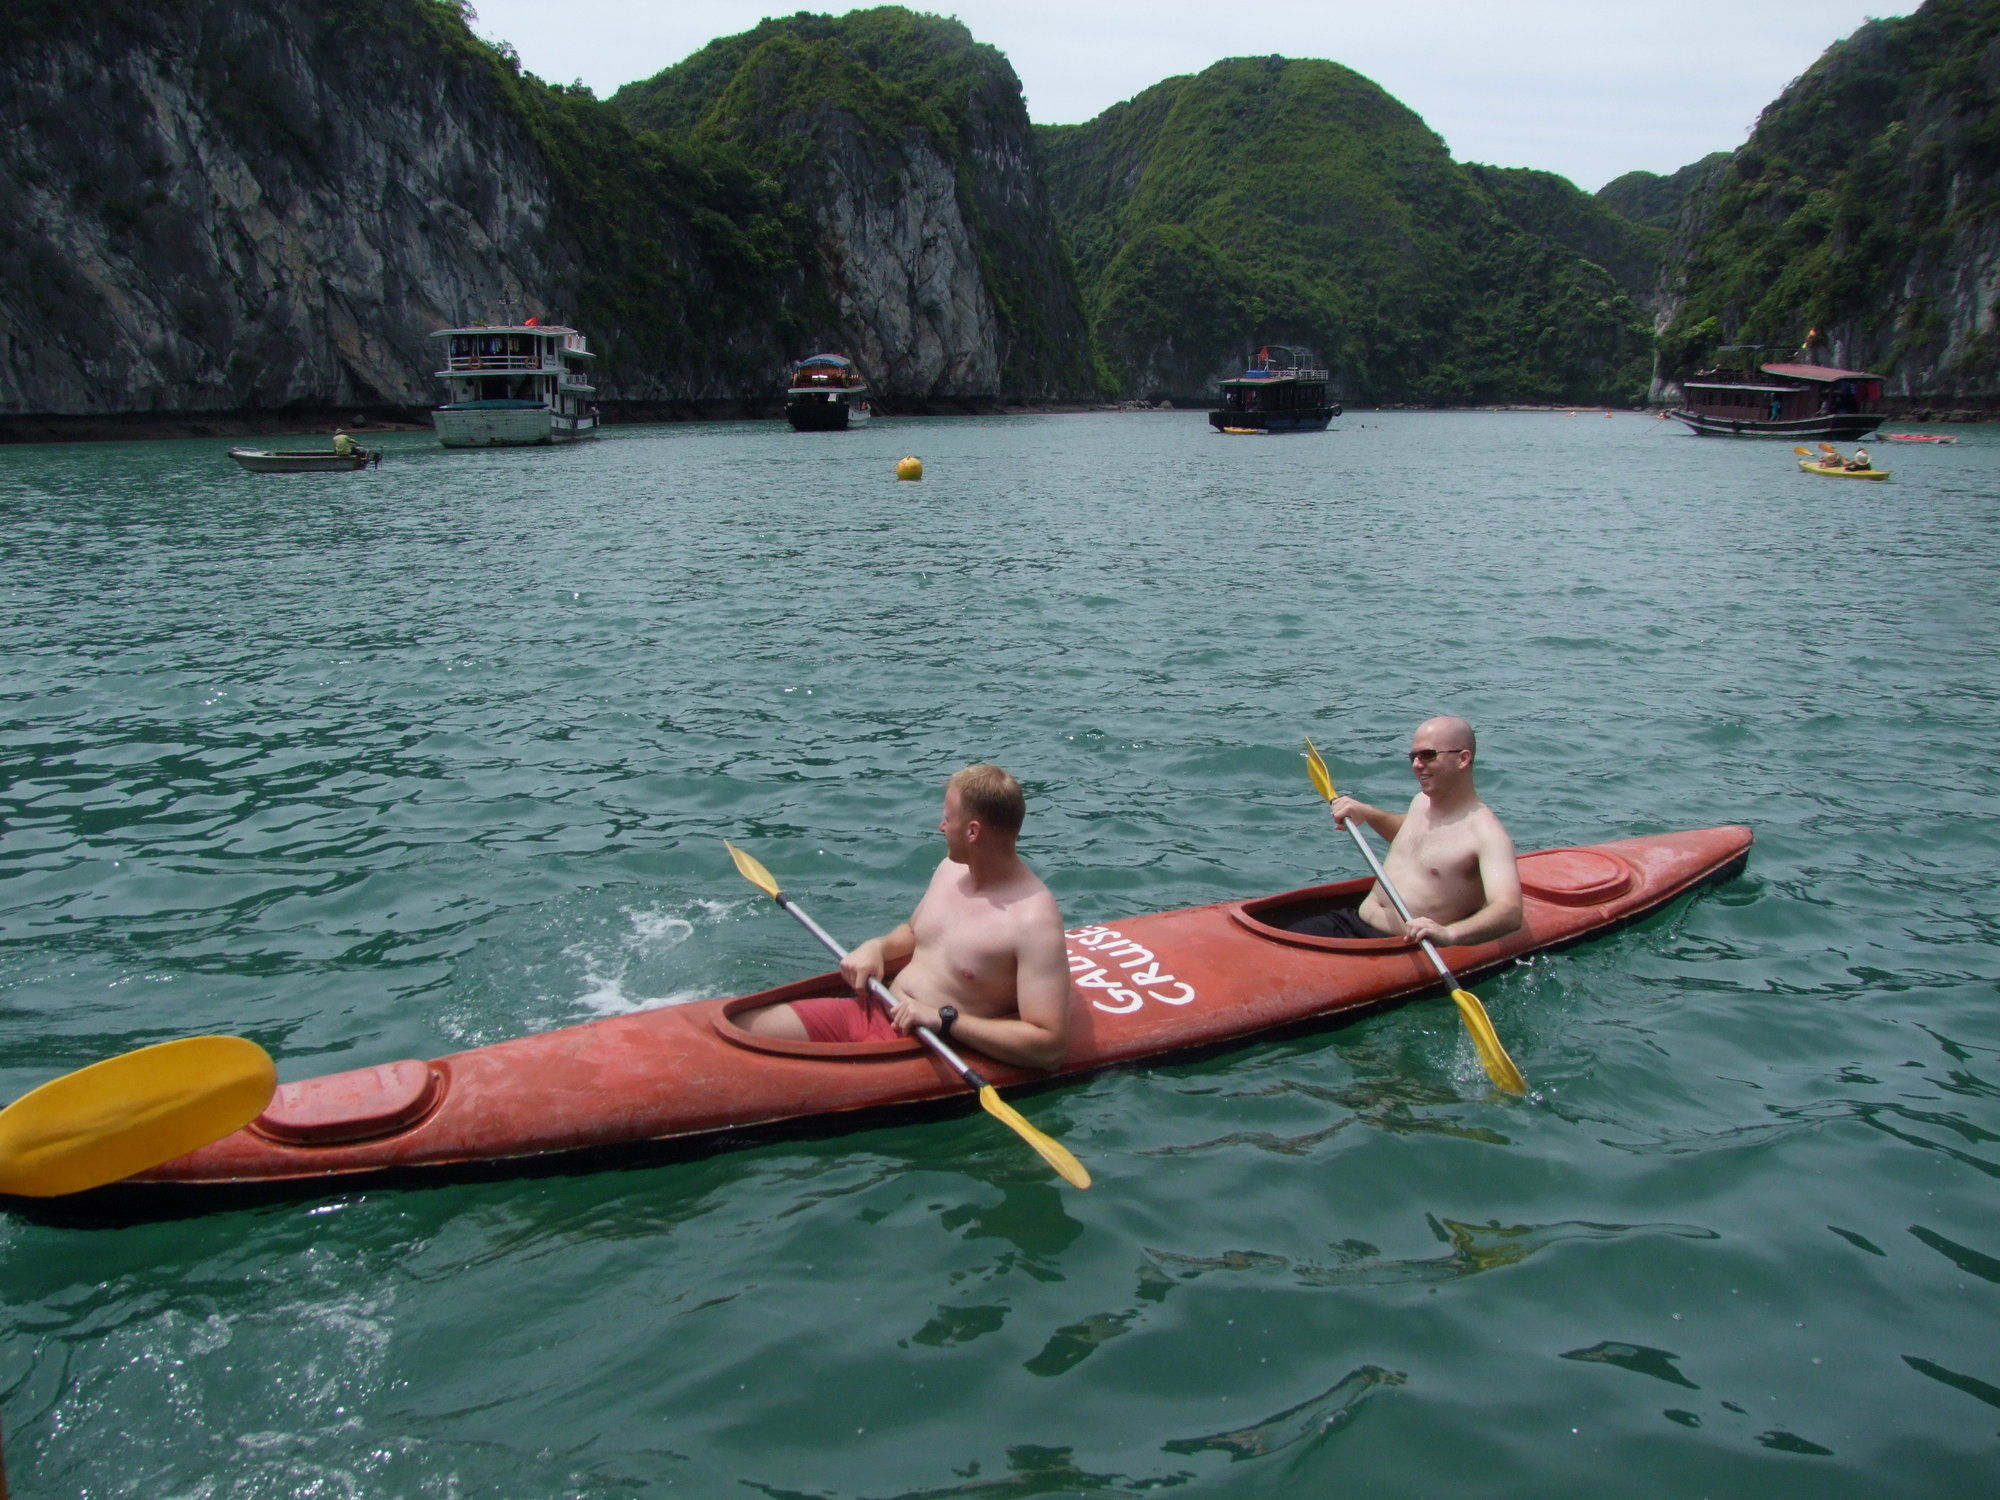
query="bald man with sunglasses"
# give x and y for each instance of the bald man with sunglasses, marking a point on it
(1449, 856)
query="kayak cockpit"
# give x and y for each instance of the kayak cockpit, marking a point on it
(1278, 918)
(729, 1027)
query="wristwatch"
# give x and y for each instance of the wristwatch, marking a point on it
(947, 1018)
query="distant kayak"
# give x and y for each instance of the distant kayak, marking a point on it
(1840, 471)
(1918, 437)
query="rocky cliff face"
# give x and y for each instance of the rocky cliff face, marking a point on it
(208, 212)
(259, 205)
(901, 258)
(909, 146)
(1865, 204)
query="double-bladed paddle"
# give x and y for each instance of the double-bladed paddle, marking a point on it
(1052, 1151)
(128, 1113)
(1499, 1066)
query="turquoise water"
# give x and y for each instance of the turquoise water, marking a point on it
(390, 764)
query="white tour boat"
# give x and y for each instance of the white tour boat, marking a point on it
(514, 384)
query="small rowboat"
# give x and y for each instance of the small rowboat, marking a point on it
(1840, 471)
(1142, 987)
(1918, 437)
(306, 461)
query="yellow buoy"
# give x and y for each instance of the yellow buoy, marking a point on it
(909, 467)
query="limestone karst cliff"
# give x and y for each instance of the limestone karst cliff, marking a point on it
(268, 205)
(228, 205)
(1866, 204)
(261, 207)
(909, 144)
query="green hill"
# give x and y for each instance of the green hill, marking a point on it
(1267, 200)
(1650, 199)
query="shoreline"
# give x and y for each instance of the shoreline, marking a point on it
(320, 421)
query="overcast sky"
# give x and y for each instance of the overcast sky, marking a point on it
(1580, 87)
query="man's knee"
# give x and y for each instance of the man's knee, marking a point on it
(777, 1021)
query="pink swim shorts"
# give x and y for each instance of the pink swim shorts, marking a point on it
(844, 1018)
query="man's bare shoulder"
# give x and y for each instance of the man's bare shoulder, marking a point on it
(1036, 901)
(1488, 829)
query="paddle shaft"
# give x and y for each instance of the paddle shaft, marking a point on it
(880, 991)
(1395, 895)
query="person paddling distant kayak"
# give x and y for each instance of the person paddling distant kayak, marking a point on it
(987, 965)
(1449, 856)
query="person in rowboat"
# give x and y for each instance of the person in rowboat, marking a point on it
(1449, 856)
(343, 444)
(987, 965)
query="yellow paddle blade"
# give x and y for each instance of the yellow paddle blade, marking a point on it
(1802, 452)
(121, 1116)
(1052, 1151)
(753, 872)
(1316, 768)
(1499, 1066)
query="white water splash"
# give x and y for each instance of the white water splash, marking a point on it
(653, 931)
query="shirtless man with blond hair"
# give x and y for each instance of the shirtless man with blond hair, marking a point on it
(987, 967)
(1449, 856)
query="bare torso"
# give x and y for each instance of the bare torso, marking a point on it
(1434, 864)
(969, 941)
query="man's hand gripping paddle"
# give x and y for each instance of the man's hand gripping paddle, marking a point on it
(1499, 1066)
(128, 1113)
(1052, 1151)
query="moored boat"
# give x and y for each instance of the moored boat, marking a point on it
(826, 394)
(1280, 390)
(1781, 401)
(1918, 437)
(1837, 470)
(515, 385)
(1143, 987)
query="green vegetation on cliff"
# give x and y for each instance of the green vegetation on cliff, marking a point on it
(841, 109)
(683, 246)
(1268, 200)
(1863, 205)
(1648, 198)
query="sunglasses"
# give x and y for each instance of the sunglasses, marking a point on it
(1425, 757)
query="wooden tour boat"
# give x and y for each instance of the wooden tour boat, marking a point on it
(826, 394)
(515, 385)
(1782, 401)
(1280, 390)
(1143, 987)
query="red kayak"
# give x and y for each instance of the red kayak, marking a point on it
(1918, 437)
(1144, 987)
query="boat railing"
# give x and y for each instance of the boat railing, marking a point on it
(1291, 372)
(496, 362)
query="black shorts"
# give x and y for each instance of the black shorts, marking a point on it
(1336, 922)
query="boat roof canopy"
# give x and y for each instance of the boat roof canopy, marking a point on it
(506, 328)
(839, 360)
(1826, 374)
